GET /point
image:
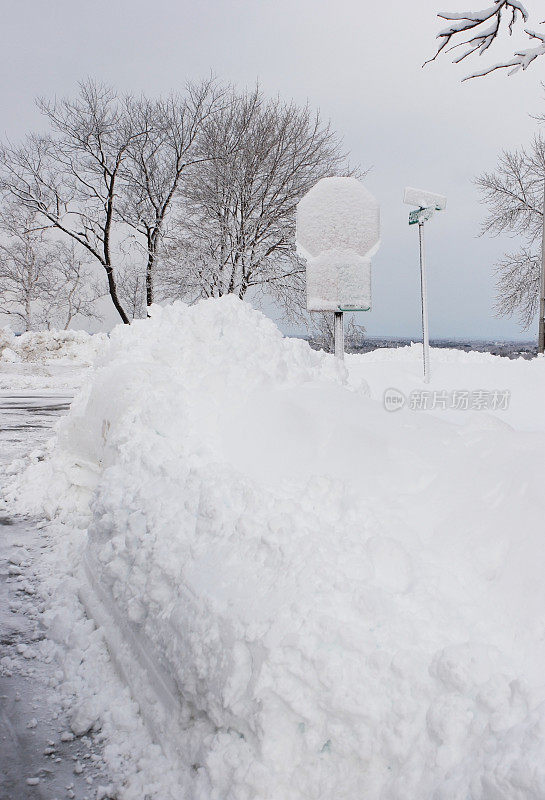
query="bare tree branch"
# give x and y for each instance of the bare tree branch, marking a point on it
(514, 196)
(157, 160)
(477, 31)
(517, 284)
(43, 283)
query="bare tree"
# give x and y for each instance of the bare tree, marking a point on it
(43, 283)
(131, 284)
(157, 160)
(514, 196)
(518, 283)
(476, 31)
(25, 268)
(74, 289)
(184, 269)
(236, 232)
(71, 179)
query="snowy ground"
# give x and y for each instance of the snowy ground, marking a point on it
(39, 755)
(309, 595)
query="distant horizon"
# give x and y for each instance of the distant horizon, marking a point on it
(416, 340)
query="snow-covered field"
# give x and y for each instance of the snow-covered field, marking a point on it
(309, 595)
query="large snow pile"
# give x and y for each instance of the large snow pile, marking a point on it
(324, 599)
(44, 346)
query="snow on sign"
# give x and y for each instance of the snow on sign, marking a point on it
(338, 231)
(423, 199)
(421, 215)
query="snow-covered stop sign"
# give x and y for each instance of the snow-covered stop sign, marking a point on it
(338, 230)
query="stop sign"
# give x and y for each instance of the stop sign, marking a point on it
(338, 230)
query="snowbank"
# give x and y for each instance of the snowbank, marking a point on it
(309, 596)
(45, 346)
(46, 359)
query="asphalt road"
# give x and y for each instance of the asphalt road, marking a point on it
(38, 759)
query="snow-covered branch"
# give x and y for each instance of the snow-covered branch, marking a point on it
(476, 31)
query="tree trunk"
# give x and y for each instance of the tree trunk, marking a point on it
(113, 294)
(28, 314)
(149, 283)
(149, 269)
(149, 279)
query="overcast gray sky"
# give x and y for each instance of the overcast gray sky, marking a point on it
(360, 63)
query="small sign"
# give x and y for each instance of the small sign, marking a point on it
(421, 215)
(354, 308)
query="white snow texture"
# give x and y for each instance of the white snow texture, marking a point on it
(338, 231)
(423, 199)
(46, 346)
(343, 603)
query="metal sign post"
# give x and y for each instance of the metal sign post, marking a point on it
(541, 324)
(424, 296)
(419, 218)
(339, 335)
(429, 203)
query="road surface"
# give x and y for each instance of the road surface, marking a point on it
(38, 757)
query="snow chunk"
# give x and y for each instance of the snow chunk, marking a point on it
(83, 718)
